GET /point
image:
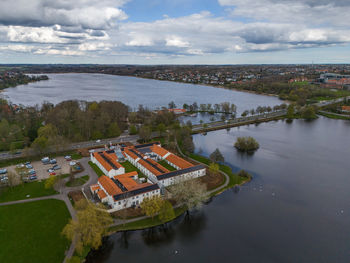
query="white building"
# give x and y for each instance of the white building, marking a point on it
(107, 161)
(123, 191)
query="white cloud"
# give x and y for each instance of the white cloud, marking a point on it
(98, 28)
(175, 41)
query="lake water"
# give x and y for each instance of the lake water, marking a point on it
(129, 90)
(296, 209)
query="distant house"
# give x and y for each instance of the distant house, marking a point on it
(345, 109)
(177, 111)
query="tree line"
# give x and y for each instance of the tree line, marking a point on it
(68, 121)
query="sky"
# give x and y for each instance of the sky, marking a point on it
(175, 31)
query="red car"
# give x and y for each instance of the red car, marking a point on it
(52, 173)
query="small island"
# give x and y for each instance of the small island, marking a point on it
(246, 144)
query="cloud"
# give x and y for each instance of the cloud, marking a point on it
(203, 33)
(90, 14)
(308, 12)
(101, 28)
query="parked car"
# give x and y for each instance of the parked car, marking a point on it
(29, 166)
(33, 177)
(50, 170)
(68, 158)
(26, 163)
(45, 160)
(53, 173)
(53, 161)
(31, 172)
(21, 165)
(98, 141)
(3, 171)
(72, 163)
(56, 167)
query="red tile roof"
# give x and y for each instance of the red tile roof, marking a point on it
(174, 159)
(101, 194)
(158, 150)
(94, 187)
(110, 187)
(110, 156)
(345, 108)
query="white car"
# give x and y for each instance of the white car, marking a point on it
(98, 141)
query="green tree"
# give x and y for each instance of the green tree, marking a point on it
(161, 128)
(216, 156)
(246, 144)
(145, 133)
(243, 173)
(290, 111)
(113, 130)
(214, 168)
(40, 144)
(91, 224)
(74, 259)
(132, 130)
(151, 206)
(308, 113)
(166, 212)
(50, 182)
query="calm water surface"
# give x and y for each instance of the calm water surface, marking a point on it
(129, 90)
(296, 209)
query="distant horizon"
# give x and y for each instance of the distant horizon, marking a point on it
(123, 64)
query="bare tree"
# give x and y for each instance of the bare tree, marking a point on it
(13, 179)
(191, 193)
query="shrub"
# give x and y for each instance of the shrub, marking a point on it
(246, 144)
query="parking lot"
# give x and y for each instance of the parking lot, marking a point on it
(41, 169)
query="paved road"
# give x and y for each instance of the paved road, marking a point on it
(237, 121)
(73, 146)
(336, 114)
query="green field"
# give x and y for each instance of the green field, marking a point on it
(166, 165)
(20, 192)
(145, 223)
(130, 168)
(31, 232)
(234, 178)
(96, 169)
(78, 181)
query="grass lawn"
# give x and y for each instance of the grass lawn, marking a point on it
(166, 165)
(234, 178)
(96, 169)
(331, 116)
(130, 168)
(31, 232)
(145, 223)
(34, 189)
(76, 156)
(78, 181)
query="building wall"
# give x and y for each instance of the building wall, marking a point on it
(184, 177)
(110, 173)
(129, 202)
